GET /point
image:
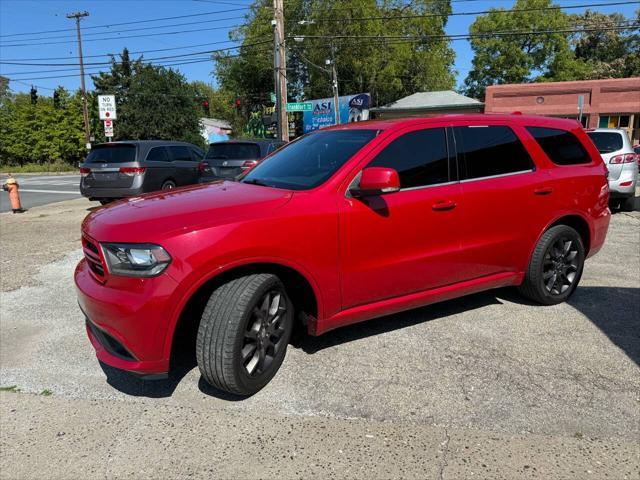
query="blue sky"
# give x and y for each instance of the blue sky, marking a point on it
(20, 16)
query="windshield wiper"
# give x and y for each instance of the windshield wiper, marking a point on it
(255, 181)
(223, 157)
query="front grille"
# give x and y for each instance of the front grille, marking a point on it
(94, 260)
(110, 344)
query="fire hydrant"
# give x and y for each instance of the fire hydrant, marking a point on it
(12, 187)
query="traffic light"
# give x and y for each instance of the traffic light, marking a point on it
(205, 106)
(34, 96)
(238, 104)
(56, 99)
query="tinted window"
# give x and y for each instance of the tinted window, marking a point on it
(606, 142)
(112, 154)
(157, 154)
(420, 158)
(310, 161)
(562, 147)
(180, 152)
(488, 151)
(197, 153)
(233, 151)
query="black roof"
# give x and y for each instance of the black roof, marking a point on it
(150, 143)
(258, 141)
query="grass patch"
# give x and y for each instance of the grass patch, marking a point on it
(39, 167)
(11, 388)
(46, 393)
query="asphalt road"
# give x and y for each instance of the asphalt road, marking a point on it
(42, 190)
(486, 386)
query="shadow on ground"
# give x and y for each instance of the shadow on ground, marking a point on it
(615, 311)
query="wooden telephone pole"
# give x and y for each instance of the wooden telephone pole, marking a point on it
(280, 61)
(85, 110)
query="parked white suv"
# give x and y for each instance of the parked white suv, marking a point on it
(617, 152)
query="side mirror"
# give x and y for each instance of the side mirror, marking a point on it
(377, 181)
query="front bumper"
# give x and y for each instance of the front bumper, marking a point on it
(127, 319)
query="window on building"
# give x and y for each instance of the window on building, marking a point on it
(562, 147)
(614, 121)
(487, 151)
(419, 157)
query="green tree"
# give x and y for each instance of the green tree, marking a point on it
(519, 58)
(388, 68)
(153, 102)
(607, 53)
(41, 133)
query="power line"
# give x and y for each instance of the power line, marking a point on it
(247, 45)
(137, 29)
(135, 22)
(480, 12)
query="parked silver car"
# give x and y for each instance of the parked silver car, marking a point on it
(622, 162)
(129, 168)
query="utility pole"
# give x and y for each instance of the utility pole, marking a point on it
(280, 61)
(85, 111)
(334, 75)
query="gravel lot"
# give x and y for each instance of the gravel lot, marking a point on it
(488, 385)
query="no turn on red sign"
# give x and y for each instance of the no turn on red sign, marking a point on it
(107, 107)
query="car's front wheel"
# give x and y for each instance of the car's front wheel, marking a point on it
(244, 333)
(555, 267)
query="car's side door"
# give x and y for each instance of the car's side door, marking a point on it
(158, 168)
(184, 168)
(404, 242)
(506, 199)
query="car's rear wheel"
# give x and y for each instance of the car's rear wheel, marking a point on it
(244, 333)
(555, 267)
(168, 185)
(105, 201)
(627, 204)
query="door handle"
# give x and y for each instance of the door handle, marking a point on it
(444, 205)
(543, 191)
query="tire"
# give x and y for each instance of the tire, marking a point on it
(627, 204)
(105, 201)
(234, 350)
(168, 185)
(550, 266)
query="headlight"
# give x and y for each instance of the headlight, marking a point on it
(135, 260)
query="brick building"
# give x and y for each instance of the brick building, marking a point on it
(613, 103)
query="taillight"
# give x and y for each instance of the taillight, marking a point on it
(132, 171)
(626, 184)
(202, 166)
(84, 171)
(249, 164)
(624, 158)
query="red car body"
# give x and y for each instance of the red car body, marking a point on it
(359, 260)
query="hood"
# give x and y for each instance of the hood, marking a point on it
(150, 218)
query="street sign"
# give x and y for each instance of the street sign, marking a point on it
(107, 107)
(108, 128)
(272, 96)
(299, 107)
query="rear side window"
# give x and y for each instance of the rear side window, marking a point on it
(419, 157)
(180, 152)
(233, 151)
(562, 147)
(157, 154)
(487, 151)
(112, 154)
(606, 142)
(197, 153)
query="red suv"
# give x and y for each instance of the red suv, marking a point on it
(340, 226)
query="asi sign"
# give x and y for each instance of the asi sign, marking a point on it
(107, 107)
(300, 107)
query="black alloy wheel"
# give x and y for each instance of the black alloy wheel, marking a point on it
(560, 266)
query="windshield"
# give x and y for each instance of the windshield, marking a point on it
(606, 142)
(112, 154)
(233, 151)
(310, 161)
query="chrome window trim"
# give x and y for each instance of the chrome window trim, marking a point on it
(519, 172)
(428, 186)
